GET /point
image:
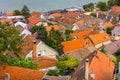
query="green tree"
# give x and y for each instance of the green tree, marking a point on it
(67, 62)
(22, 62)
(111, 3)
(108, 30)
(34, 29)
(67, 33)
(42, 33)
(93, 14)
(102, 6)
(25, 11)
(118, 53)
(54, 40)
(9, 39)
(88, 7)
(17, 12)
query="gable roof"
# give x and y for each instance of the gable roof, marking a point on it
(72, 14)
(116, 8)
(80, 22)
(99, 38)
(48, 28)
(57, 14)
(9, 13)
(81, 34)
(33, 20)
(102, 67)
(17, 73)
(99, 64)
(73, 45)
(112, 47)
(108, 24)
(46, 62)
(36, 14)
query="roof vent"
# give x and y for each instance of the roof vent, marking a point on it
(92, 75)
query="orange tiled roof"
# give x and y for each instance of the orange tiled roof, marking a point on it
(81, 34)
(73, 45)
(72, 14)
(102, 67)
(48, 28)
(36, 14)
(80, 22)
(116, 8)
(17, 73)
(107, 24)
(46, 62)
(56, 14)
(99, 38)
(33, 20)
(3, 21)
(9, 13)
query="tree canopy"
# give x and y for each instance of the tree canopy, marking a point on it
(102, 6)
(17, 12)
(88, 7)
(25, 11)
(9, 39)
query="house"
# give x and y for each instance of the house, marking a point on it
(116, 33)
(112, 47)
(17, 73)
(33, 20)
(81, 53)
(6, 20)
(73, 45)
(77, 24)
(115, 11)
(82, 34)
(108, 25)
(97, 66)
(55, 27)
(73, 14)
(98, 40)
(55, 15)
(19, 23)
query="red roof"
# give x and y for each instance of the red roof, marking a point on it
(48, 28)
(36, 14)
(73, 45)
(17, 73)
(46, 62)
(102, 67)
(72, 14)
(33, 20)
(116, 8)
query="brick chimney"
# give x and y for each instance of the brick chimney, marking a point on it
(86, 69)
(34, 54)
(7, 76)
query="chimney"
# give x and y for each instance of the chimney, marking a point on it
(86, 69)
(7, 76)
(34, 54)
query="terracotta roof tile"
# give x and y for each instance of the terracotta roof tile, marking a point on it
(116, 8)
(17, 73)
(45, 62)
(81, 34)
(72, 14)
(108, 24)
(57, 14)
(99, 38)
(73, 45)
(33, 20)
(102, 67)
(3, 21)
(36, 14)
(80, 22)
(48, 28)
(9, 13)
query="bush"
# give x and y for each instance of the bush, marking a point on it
(93, 14)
